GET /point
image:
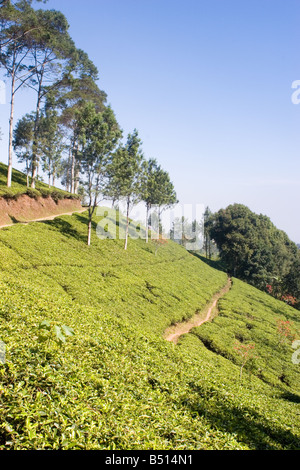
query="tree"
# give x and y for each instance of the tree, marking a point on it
(251, 247)
(76, 88)
(246, 352)
(165, 195)
(125, 175)
(22, 141)
(51, 143)
(53, 54)
(291, 282)
(153, 177)
(186, 233)
(207, 241)
(98, 134)
(17, 25)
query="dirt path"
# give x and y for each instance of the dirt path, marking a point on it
(173, 333)
(43, 219)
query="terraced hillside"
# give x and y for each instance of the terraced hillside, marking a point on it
(18, 185)
(87, 365)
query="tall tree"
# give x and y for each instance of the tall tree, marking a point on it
(157, 190)
(53, 53)
(125, 175)
(150, 187)
(186, 233)
(75, 90)
(167, 195)
(207, 241)
(98, 136)
(22, 141)
(17, 25)
(51, 145)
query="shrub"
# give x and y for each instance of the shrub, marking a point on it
(33, 193)
(57, 195)
(10, 194)
(45, 192)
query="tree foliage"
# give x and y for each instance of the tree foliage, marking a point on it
(252, 248)
(98, 135)
(125, 175)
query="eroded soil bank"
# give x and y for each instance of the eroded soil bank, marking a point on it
(26, 209)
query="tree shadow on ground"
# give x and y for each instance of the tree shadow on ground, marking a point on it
(216, 264)
(247, 424)
(291, 397)
(65, 228)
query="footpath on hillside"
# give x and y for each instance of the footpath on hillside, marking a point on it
(43, 219)
(174, 332)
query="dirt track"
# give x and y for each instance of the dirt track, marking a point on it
(50, 217)
(173, 333)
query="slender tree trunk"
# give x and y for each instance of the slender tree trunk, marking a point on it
(68, 176)
(91, 212)
(76, 184)
(35, 144)
(127, 224)
(35, 162)
(147, 217)
(10, 138)
(73, 164)
(89, 232)
(159, 222)
(72, 172)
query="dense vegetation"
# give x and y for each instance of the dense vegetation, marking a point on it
(86, 363)
(254, 250)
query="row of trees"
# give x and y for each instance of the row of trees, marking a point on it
(118, 171)
(254, 250)
(37, 52)
(72, 133)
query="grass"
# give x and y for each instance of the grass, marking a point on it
(117, 384)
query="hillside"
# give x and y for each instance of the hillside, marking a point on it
(87, 365)
(20, 204)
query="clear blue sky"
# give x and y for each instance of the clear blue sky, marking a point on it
(208, 85)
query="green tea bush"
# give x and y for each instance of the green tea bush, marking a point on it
(115, 383)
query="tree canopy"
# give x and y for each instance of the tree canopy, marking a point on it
(252, 248)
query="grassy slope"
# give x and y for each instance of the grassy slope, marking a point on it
(18, 185)
(117, 384)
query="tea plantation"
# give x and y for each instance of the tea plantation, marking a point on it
(86, 365)
(18, 187)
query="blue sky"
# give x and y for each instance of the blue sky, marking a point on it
(208, 85)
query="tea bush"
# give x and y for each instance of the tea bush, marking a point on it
(116, 383)
(19, 188)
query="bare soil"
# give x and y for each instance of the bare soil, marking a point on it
(27, 209)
